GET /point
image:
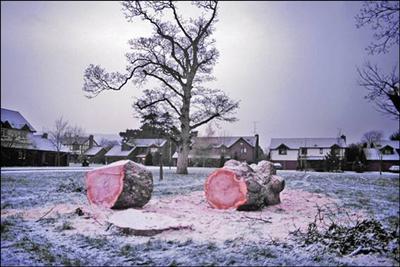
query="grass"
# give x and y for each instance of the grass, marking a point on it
(377, 195)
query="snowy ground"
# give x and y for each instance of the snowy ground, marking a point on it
(62, 237)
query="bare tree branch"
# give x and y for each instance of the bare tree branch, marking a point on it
(383, 16)
(383, 90)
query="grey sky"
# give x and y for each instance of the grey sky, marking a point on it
(291, 64)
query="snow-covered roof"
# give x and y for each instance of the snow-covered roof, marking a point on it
(116, 151)
(194, 156)
(375, 154)
(69, 140)
(146, 142)
(219, 141)
(15, 119)
(93, 151)
(43, 144)
(296, 143)
(383, 143)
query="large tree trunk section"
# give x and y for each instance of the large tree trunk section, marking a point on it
(237, 185)
(122, 184)
(137, 222)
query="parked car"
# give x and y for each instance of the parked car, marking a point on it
(394, 168)
(278, 166)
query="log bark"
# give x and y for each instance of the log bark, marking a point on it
(237, 185)
(122, 184)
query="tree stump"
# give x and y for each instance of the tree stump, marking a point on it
(122, 184)
(237, 185)
(142, 223)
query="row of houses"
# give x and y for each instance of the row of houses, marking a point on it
(22, 146)
(310, 153)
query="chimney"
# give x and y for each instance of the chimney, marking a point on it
(343, 137)
(91, 141)
(44, 135)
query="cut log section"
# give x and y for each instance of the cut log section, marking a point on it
(225, 190)
(237, 185)
(137, 222)
(122, 184)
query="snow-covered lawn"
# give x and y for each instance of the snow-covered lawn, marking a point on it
(62, 237)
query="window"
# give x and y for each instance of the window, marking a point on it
(153, 149)
(75, 146)
(321, 151)
(243, 150)
(22, 134)
(3, 132)
(303, 151)
(282, 151)
(22, 154)
(387, 151)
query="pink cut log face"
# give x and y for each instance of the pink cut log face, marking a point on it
(104, 185)
(224, 190)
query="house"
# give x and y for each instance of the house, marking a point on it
(155, 146)
(119, 152)
(210, 151)
(20, 146)
(78, 145)
(305, 153)
(136, 149)
(382, 155)
(96, 154)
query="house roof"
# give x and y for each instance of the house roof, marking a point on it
(194, 156)
(69, 140)
(374, 154)
(116, 151)
(43, 144)
(296, 143)
(15, 119)
(93, 151)
(219, 141)
(146, 142)
(383, 143)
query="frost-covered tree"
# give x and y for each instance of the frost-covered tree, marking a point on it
(180, 55)
(56, 135)
(372, 137)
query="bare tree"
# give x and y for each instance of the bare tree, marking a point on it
(383, 90)
(75, 130)
(180, 55)
(383, 16)
(108, 143)
(56, 136)
(372, 137)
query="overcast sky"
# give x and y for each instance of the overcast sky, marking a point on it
(292, 65)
